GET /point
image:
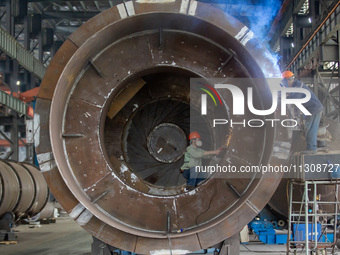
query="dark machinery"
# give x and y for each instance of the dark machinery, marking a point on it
(115, 93)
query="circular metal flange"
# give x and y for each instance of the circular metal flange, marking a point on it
(110, 54)
(167, 143)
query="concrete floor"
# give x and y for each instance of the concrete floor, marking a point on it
(260, 248)
(67, 237)
(62, 237)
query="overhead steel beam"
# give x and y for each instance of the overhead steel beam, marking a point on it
(97, 5)
(56, 1)
(89, 14)
(245, 2)
(115, 2)
(69, 15)
(70, 6)
(283, 20)
(15, 50)
(252, 2)
(66, 29)
(324, 32)
(5, 136)
(13, 103)
(84, 5)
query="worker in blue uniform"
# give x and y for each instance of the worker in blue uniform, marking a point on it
(192, 159)
(314, 106)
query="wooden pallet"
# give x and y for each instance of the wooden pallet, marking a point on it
(8, 242)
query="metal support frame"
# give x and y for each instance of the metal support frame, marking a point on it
(16, 51)
(329, 98)
(28, 81)
(15, 141)
(13, 103)
(311, 240)
(15, 138)
(282, 22)
(18, 55)
(321, 47)
(327, 29)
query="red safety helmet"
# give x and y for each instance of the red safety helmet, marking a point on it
(287, 74)
(194, 135)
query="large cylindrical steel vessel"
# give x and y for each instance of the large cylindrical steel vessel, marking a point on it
(119, 83)
(46, 213)
(23, 189)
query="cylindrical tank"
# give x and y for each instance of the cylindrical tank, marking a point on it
(23, 189)
(46, 213)
(116, 93)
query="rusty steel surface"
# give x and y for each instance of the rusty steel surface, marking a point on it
(23, 189)
(104, 171)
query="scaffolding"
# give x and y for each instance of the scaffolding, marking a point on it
(312, 217)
